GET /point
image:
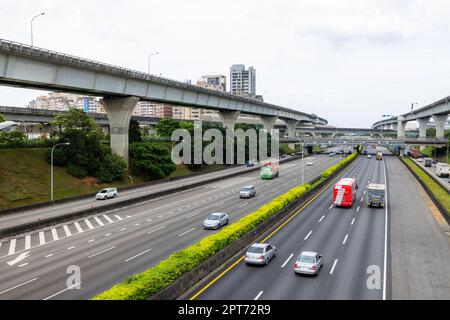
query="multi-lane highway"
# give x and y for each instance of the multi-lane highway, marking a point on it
(352, 242)
(111, 246)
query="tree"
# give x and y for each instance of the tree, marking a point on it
(134, 132)
(152, 160)
(431, 133)
(2, 118)
(14, 137)
(166, 126)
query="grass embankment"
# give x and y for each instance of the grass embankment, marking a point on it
(284, 148)
(25, 179)
(440, 193)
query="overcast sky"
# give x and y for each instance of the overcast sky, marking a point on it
(348, 61)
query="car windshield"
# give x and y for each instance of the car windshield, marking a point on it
(246, 189)
(213, 217)
(256, 250)
(104, 191)
(266, 169)
(307, 259)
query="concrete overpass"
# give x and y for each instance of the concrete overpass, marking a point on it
(31, 67)
(439, 111)
(362, 140)
(333, 131)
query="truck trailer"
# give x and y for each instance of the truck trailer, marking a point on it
(376, 195)
(270, 169)
(344, 192)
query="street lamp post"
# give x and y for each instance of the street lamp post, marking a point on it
(153, 54)
(51, 169)
(41, 14)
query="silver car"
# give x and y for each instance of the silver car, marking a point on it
(106, 193)
(308, 263)
(215, 221)
(247, 192)
(260, 253)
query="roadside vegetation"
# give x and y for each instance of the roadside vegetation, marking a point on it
(158, 277)
(439, 192)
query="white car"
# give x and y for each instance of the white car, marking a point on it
(369, 156)
(215, 221)
(420, 160)
(309, 163)
(308, 263)
(260, 253)
(106, 194)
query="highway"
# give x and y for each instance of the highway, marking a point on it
(111, 246)
(351, 240)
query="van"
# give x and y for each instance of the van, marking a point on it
(106, 194)
(344, 192)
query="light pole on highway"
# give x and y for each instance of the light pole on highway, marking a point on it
(303, 155)
(51, 169)
(41, 14)
(153, 54)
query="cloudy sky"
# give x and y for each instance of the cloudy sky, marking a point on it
(348, 61)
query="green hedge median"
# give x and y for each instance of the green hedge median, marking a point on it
(158, 277)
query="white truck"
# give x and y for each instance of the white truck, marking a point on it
(442, 170)
(376, 194)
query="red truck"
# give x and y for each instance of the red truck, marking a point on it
(344, 192)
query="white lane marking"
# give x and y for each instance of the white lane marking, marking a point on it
(188, 206)
(139, 254)
(307, 236)
(49, 255)
(89, 224)
(27, 242)
(179, 209)
(334, 265)
(123, 229)
(345, 239)
(79, 229)
(68, 288)
(149, 220)
(160, 216)
(100, 252)
(186, 232)
(323, 217)
(150, 232)
(19, 258)
(362, 199)
(119, 218)
(108, 218)
(286, 262)
(259, 295)
(72, 247)
(19, 285)
(128, 216)
(12, 247)
(137, 224)
(41, 238)
(331, 207)
(365, 191)
(358, 208)
(193, 215)
(243, 205)
(385, 234)
(66, 229)
(99, 221)
(353, 221)
(55, 234)
(92, 240)
(195, 204)
(22, 265)
(107, 235)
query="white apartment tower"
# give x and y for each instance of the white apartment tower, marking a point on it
(242, 81)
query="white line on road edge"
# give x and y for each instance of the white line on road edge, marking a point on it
(139, 254)
(19, 285)
(286, 262)
(186, 232)
(259, 295)
(49, 255)
(345, 239)
(150, 232)
(68, 288)
(55, 234)
(79, 229)
(307, 236)
(96, 254)
(385, 234)
(353, 221)
(323, 217)
(89, 224)
(193, 215)
(41, 238)
(22, 265)
(12, 247)
(243, 205)
(334, 265)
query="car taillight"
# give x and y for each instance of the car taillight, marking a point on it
(296, 266)
(313, 268)
(261, 257)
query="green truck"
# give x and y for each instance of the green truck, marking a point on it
(270, 170)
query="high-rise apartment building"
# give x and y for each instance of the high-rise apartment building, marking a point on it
(213, 82)
(242, 81)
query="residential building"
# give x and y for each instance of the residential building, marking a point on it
(242, 81)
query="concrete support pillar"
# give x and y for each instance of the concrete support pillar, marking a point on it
(119, 112)
(440, 124)
(423, 123)
(291, 125)
(229, 118)
(401, 125)
(268, 123)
